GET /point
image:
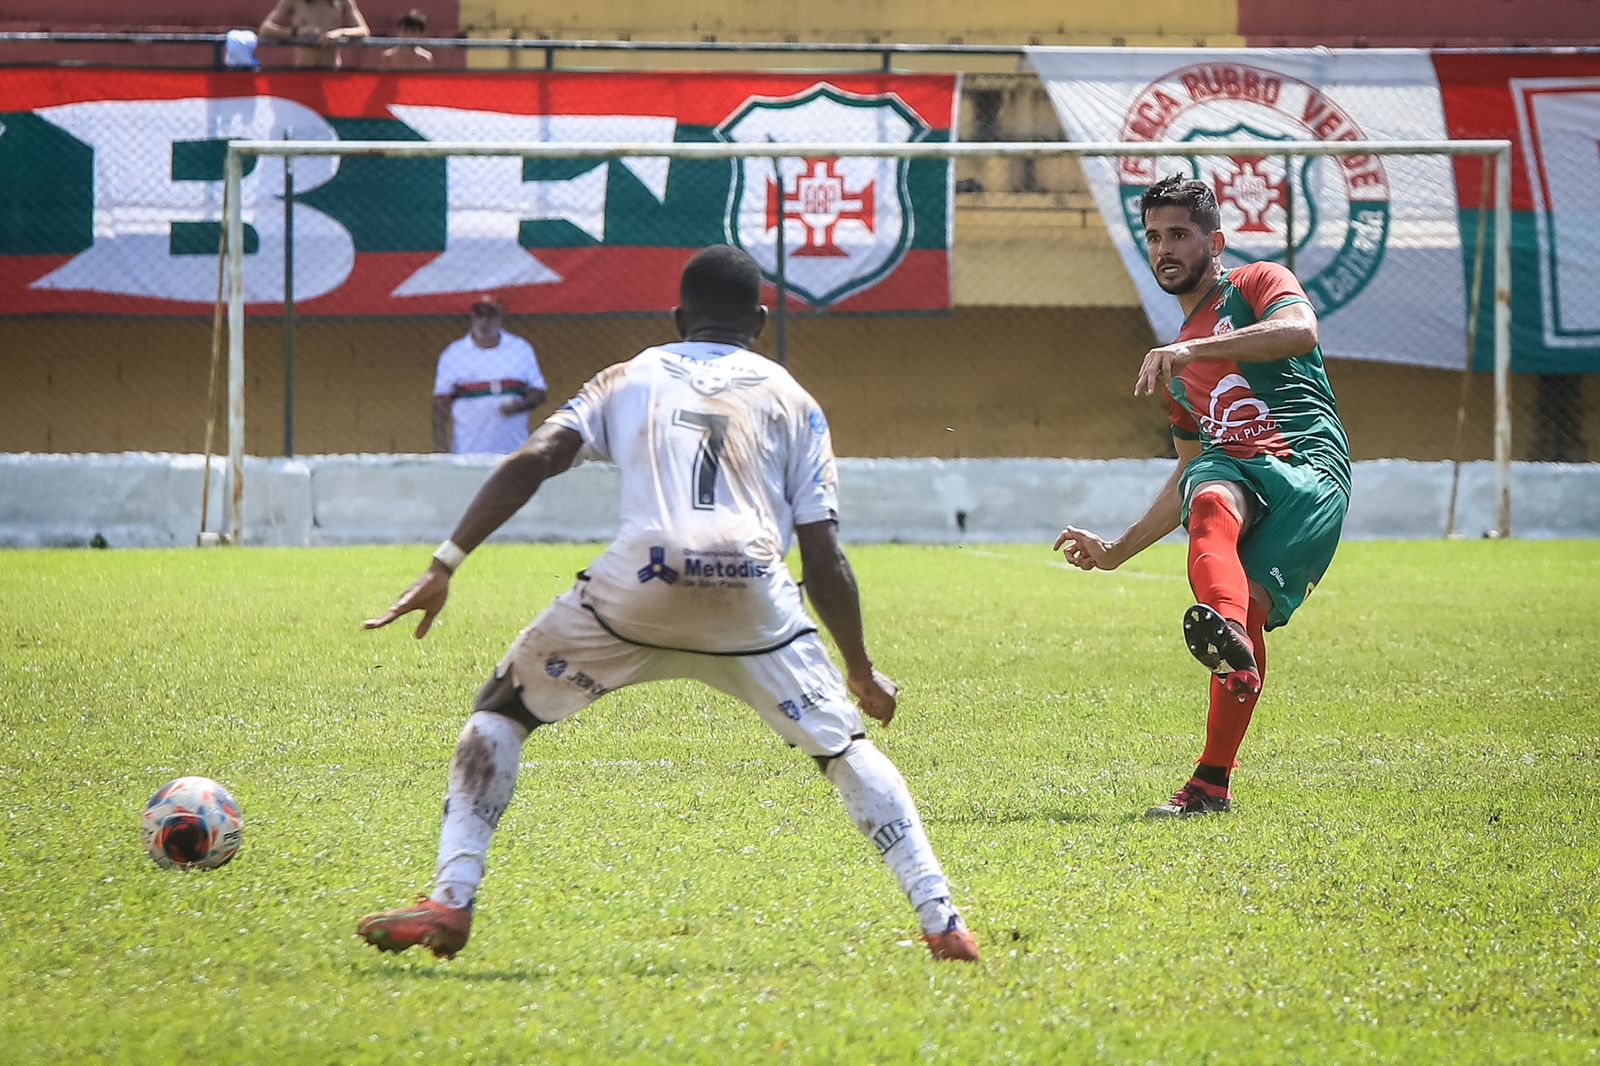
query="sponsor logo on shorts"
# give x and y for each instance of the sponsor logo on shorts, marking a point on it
(555, 666)
(657, 568)
(587, 683)
(1278, 575)
(800, 704)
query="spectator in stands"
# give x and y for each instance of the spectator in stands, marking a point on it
(409, 57)
(318, 28)
(486, 384)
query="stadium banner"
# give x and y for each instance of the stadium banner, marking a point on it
(1384, 245)
(114, 190)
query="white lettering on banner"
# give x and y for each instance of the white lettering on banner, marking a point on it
(1376, 241)
(137, 201)
(488, 200)
(1560, 125)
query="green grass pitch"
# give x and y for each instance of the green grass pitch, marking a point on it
(1410, 873)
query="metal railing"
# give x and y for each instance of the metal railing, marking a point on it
(883, 55)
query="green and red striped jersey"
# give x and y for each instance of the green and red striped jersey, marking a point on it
(1284, 408)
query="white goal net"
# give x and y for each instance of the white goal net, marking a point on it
(947, 300)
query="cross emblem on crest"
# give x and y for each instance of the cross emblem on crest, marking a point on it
(819, 201)
(1252, 190)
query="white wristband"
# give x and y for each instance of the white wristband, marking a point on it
(450, 555)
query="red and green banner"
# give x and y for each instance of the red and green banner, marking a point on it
(1385, 245)
(1548, 106)
(113, 183)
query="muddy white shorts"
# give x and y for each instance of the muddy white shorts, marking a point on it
(566, 659)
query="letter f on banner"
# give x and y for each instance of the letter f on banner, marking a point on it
(488, 200)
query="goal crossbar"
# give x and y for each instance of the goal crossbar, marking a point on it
(233, 224)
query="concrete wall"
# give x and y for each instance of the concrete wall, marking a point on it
(153, 500)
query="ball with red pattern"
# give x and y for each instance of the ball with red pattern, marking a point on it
(192, 824)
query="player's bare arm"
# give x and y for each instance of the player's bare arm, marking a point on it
(1090, 551)
(549, 451)
(1287, 332)
(831, 585)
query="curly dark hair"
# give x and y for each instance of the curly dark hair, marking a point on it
(722, 283)
(1180, 190)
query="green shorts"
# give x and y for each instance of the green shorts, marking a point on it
(1295, 528)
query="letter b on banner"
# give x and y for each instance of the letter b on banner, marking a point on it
(151, 186)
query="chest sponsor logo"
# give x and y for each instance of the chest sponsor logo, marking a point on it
(1235, 414)
(1334, 211)
(846, 222)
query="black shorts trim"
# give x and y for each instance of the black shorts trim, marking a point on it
(784, 643)
(502, 695)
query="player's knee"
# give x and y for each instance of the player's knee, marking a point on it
(503, 696)
(1215, 501)
(825, 761)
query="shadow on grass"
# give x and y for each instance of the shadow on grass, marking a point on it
(1059, 817)
(442, 971)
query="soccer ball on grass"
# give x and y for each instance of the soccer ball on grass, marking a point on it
(192, 824)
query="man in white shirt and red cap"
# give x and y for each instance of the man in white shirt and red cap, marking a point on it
(485, 385)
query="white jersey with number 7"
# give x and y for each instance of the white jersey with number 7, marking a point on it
(722, 454)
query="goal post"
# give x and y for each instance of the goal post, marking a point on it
(1495, 152)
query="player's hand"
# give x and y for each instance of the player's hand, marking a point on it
(426, 595)
(1161, 365)
(876, 694)
(1086, 550)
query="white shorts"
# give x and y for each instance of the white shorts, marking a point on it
(565, 660)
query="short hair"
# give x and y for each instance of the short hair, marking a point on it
(414, 19)
(721, 283)
(1178, 190)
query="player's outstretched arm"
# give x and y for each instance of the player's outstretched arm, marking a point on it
(549, 451)
(1287, 332)
(831, 584)
(1090, 551)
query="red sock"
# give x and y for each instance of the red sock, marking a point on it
(1228, 718)
(1215, 572)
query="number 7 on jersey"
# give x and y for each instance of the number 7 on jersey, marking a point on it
(713, 430)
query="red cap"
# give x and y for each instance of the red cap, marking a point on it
(487, 299)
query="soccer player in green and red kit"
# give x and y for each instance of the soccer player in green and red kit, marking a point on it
(1263, 476)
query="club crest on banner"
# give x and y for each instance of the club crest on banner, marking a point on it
(1338, 207)
(846, 221)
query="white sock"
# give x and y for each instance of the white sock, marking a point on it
(482, 777)
(881, 806)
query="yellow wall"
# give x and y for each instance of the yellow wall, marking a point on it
(981, 382)
(929, 21)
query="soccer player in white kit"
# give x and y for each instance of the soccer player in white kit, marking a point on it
(723, 456)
